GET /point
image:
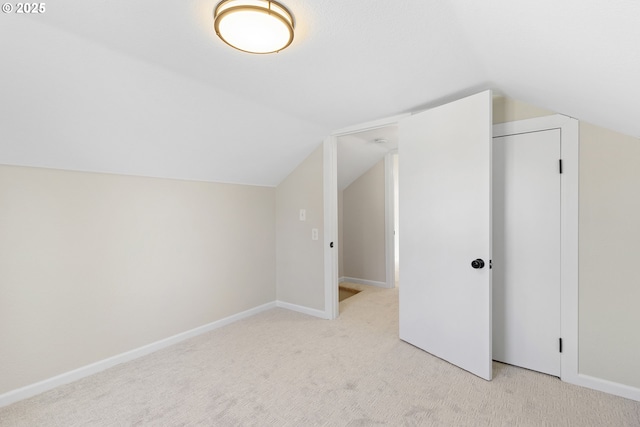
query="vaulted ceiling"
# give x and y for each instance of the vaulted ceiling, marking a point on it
(146, 88)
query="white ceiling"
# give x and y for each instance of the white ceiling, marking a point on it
(145, 87)
(359, 152)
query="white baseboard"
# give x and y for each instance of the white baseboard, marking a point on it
(363, 282)
(301, 309)
(13, 396)
(67, 377)
(606, 386)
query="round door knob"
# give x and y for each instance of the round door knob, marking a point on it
(477, 263)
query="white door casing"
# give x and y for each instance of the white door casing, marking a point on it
(330, 237)
(390, 218)
(569, 131)
(330, 194)
(445, 212)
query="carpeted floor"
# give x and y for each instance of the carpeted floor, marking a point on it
(287, 369)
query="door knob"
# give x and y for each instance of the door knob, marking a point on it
(477, 263)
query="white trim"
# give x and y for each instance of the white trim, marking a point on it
(330, 191)
(301, 309)
(93, 368)
(363, 282)
(375, 124)
(569, 147)
(389, 220)
(330, 204)
(606, 386)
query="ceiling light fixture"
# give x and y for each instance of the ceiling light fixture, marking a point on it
(253, 26)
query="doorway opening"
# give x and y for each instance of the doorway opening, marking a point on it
(367, 209)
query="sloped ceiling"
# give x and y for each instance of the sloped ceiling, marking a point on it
(146, 88)
(359, 152)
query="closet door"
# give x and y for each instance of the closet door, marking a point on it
(527, 251)
(445, 216)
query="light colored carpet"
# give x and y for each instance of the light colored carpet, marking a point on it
(287, 369)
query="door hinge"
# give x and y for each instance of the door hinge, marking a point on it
(560, 165)
(560, 344)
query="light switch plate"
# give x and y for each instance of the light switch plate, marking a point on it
(303, 214)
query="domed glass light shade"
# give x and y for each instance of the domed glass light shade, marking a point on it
(254, 26)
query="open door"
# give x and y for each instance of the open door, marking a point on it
(445, 216)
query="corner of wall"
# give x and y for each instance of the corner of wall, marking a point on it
(300, 258)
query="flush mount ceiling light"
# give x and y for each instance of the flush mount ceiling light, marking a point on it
(254, 26)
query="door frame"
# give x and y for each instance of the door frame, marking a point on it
(330, 193)
(569, 181)
(390, 218)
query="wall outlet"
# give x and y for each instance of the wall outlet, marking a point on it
(303, 214)
(314, 234)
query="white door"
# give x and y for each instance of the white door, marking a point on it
(526, 250)
(445, 218)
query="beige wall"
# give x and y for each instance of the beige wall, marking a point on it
(300, 260)
(507, 109)
(609, 283)
(609, 251)
(364, 227)
(94, 265)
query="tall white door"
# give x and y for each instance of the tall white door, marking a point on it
(445, 218)
(526, 250)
